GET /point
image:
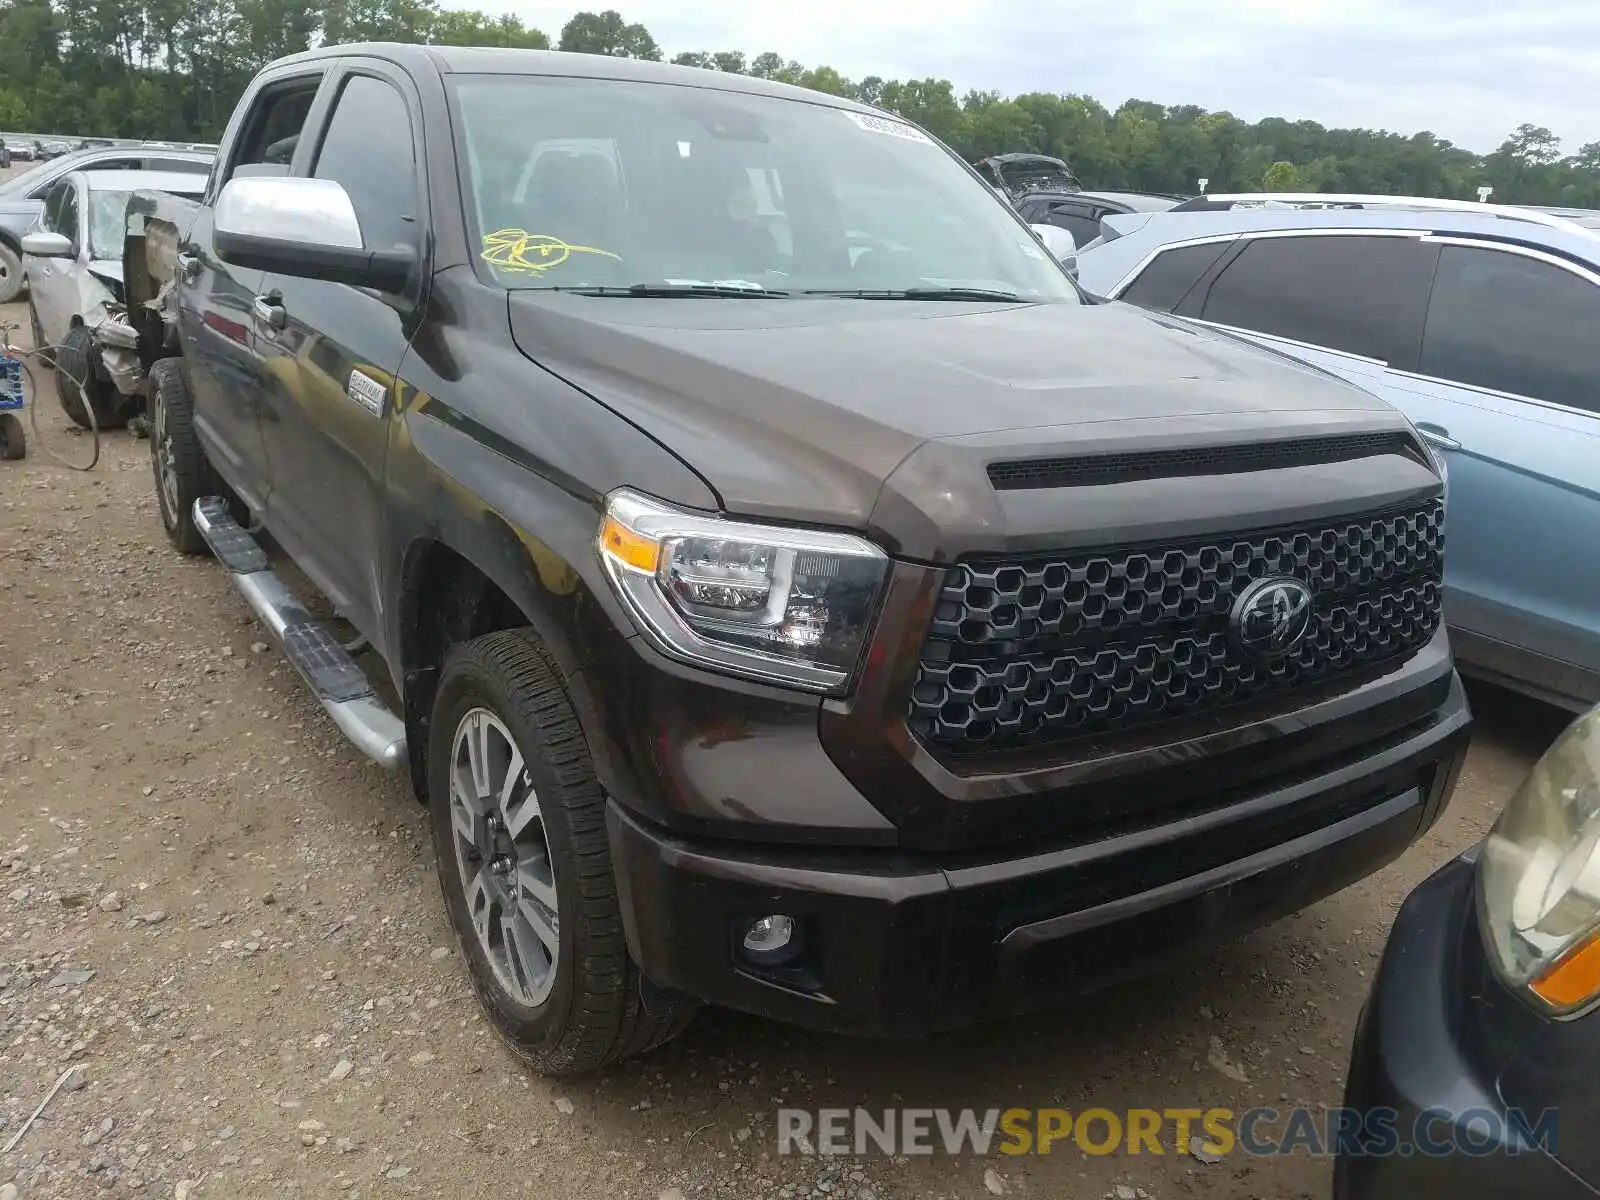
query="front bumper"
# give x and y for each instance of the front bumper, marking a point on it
(1434, 1036)
(900, 942)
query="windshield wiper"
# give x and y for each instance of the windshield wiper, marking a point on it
(653, 290)
(921, 293)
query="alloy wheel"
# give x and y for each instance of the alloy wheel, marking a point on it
(503, 856)
(166, 459)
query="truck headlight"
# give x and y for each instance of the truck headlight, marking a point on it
(783, 605)
(1539, 877)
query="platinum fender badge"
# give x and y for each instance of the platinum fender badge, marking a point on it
(367, 392)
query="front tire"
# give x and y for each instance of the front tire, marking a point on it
(182, 473)
(77, 383)
(520, 836)
(10, 274)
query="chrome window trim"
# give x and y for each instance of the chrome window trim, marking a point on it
(1590, 274)
(1590, 413)
(1256, 333)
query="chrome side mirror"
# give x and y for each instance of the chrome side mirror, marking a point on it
(303, 227)
(1062, 245)
(307, 212)
(44, 243)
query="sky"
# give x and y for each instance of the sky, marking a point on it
(1470, 71)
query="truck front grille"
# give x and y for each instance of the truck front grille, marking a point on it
(1036, 650)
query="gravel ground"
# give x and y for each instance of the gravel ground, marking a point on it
(225, 922)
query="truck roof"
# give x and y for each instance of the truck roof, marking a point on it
(477, 60)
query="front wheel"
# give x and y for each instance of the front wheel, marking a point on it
(78, 384)
(520, 836)
(10, 274)
(181, 471)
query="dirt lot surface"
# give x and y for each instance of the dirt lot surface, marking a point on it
(228, 920)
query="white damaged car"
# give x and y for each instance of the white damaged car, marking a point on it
(73, 263)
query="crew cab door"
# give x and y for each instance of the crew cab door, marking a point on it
(221, 343)
(331, 353)
(1508, 384)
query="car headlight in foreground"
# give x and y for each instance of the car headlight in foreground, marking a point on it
(1539, 879)
(783, 605)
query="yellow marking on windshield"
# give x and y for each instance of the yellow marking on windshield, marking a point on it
(532, 253)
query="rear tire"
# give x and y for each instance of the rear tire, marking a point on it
(182, 473)
(77, 381)
(556, 982)
(13, 441)
(10, 274)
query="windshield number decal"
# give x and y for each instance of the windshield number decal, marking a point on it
(884, 125)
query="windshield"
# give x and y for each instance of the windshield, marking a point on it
(108, 224)
(605, 183)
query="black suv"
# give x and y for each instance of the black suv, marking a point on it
(787, 589)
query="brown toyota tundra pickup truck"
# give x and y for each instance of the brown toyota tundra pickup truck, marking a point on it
(786, 589)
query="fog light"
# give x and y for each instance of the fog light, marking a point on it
(771, 939)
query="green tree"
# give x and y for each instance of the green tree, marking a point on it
(175, 68)
(468, 27)
(377, 20)
(930, 103)
(766, 65)
(607, 33)
(1281, 177)
(1534, 145)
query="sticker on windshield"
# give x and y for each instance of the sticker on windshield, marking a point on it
(532, 253)
(884, 125)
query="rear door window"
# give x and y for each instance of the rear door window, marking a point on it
(1171, 274)
(1358, 294)
(1515, 324)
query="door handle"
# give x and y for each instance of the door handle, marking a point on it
(1438, 436)
(188, 265)
(269, 312)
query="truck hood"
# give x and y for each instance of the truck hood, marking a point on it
(815, 410)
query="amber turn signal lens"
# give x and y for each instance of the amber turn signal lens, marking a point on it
(1573, 980)
(626, 546)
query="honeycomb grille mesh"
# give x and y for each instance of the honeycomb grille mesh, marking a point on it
(1032, 651)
